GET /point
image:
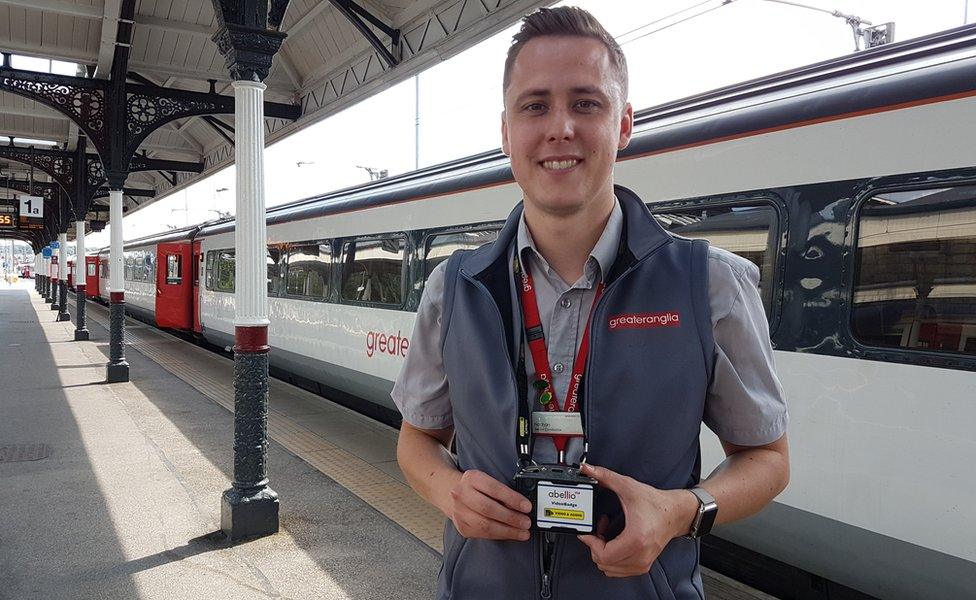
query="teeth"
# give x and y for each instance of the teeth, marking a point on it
(560, 164)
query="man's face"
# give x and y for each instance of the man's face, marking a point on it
(563, 123)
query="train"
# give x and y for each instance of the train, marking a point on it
(850, 183)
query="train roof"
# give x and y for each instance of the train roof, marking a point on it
(936, 67)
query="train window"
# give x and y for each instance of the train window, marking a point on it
(224, 271)
(440, 247)
(211, 257)
(91, 270)
(174, 268)
(273, 259)
(103, 271)
(149, 268)
(915, 284)
(309, 270)
(139, 267)
(372, 270)
(746, 230)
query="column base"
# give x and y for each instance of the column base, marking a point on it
(49, 300)
(117, 372)
(54, 305)
(64, 317)
(81, 335)
(249, 515)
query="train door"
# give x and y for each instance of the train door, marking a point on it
(195, 290)
(173, 286)
(91, 276)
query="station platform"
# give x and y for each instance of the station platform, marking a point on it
(113, 491)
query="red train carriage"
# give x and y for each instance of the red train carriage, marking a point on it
(91, 276)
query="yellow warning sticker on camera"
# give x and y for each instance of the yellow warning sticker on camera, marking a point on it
(558, 513)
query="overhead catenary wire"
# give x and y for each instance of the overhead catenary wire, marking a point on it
(664, 18)
(678, 22)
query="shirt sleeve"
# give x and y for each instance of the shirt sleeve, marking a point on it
(420, 390)
(745, 404)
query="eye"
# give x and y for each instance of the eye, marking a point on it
(534, 107)
(587, 105)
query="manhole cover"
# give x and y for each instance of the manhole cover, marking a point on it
(23, 452)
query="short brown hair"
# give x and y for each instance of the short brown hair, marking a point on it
(567, 21)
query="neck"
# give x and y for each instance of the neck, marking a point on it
(566, 240)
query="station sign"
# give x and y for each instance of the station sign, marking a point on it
(55, 245)
(31, 212)
(47, 252)
(8, 215)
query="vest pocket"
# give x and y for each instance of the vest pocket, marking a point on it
(660, 582)
(452, 554)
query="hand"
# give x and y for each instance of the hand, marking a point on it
(482, 507)
(653, 518)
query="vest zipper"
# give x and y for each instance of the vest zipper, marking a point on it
(589, 359)
(548, 543)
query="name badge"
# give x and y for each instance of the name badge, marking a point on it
(564, 506)
(557, 423)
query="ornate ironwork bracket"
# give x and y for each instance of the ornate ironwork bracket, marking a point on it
(361, 20)
(58, 164)
(88, 102)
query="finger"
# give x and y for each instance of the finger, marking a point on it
(493, 488)
(608, 479)
(478, 526)
(621, 572)
(488, 507)
(602, 524)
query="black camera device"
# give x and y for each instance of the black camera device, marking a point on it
(562, 498)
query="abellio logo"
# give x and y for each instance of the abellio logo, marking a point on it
(386, 343)
(671, 318)
(564, 495)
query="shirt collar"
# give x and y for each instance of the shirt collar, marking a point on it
(602, 256)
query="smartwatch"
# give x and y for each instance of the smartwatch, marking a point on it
(707, 511)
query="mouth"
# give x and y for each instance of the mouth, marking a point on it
(563, 164)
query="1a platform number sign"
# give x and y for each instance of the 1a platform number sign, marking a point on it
(31, 212)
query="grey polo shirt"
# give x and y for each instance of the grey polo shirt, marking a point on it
(745, 404)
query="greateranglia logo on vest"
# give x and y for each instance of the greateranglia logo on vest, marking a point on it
(671, 318)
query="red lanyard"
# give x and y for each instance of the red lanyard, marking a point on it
(540, 353)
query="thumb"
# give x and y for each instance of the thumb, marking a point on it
(594, 543)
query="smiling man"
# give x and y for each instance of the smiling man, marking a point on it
(575, 358)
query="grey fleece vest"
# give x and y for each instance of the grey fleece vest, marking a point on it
(644, 397)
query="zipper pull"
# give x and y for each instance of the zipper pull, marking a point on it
(546, 591)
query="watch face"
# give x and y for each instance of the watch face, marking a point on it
(707, 520)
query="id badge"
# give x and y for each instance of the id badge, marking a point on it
(557, 423)
(564, 506)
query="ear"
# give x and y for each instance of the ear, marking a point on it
(505, 149)
(626, 126)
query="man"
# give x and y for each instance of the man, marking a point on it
(678, 337)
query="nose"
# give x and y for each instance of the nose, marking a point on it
(562, 125)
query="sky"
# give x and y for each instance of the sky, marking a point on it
(460, 99)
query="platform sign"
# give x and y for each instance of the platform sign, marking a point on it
(8, 216)
(47, 252)
(31, 212)
(55, 245)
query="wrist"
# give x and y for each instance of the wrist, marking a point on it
(685, 509)
(444, 484)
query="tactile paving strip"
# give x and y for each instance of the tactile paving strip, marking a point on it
(212, 376)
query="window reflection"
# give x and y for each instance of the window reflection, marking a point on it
(441, 247)
(744, 230)
(373, 270)
(916, 270)
(309, 271)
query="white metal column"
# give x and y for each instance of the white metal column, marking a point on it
(250, 232)
(115, 283)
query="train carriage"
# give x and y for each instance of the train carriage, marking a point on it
(851, 184)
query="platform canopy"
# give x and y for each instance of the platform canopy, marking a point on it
(336, 53)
